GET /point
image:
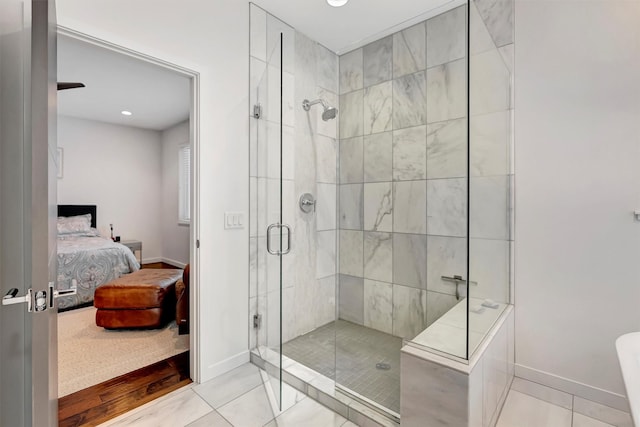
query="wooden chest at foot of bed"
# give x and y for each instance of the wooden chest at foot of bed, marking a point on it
(143, 299)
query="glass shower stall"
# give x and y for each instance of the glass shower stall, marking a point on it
(381, 188)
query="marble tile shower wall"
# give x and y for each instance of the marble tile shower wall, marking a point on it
(309, 165)
(403, 171)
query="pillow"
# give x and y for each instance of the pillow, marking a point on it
(74, 224)
(93, 232)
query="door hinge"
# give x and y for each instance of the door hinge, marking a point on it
(257, 111)
(257, 321)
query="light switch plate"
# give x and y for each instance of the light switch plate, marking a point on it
(234, 220)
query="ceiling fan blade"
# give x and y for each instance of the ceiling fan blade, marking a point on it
(67, 85)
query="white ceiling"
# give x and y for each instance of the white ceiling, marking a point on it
(157, 97)
(358, 22)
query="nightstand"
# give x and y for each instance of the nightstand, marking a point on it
(135, 246)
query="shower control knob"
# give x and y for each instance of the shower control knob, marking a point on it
(307, 203)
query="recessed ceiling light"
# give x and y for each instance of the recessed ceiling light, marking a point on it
(126, 113)
(337, 3)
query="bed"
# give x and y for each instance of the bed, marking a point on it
(86, 259)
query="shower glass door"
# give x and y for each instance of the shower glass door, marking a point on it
(274, 236)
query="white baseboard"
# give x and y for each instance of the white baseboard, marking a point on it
(224, 366)
(165, 260)
(174, 262)
(575, 388)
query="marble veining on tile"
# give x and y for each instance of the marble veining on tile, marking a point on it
(351, 113)
(480, 39)
(327, 68)
(326, 159)
(252, 408)
(378, 207)
(446, 256)
(409, 50)
(351, 252)
(212, 419)
(351, 73)
(447, 207)
(410, 207)
(378, 150)
(410, 260)
(225, 388)
(351, 209)
(410, 100)
(446, 86)
(446, 37)
(437, 305)
(326, 254)
(378, 302)
(447, 149)
(326, 207)
(308, 413)
(378, 256)
(378, 61)
(178, 409)
(498, 17)
(351, 300)
(378, 108)
(432, 395)
(410, 154)
(351, 160)
(408, 311)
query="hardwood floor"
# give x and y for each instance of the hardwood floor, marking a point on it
(97, 404)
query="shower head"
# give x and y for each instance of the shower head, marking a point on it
(328, 113)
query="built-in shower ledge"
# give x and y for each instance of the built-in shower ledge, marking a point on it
(437, 390)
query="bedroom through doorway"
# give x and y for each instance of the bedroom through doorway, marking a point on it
(125, 178)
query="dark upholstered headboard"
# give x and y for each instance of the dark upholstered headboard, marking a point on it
(73, 210)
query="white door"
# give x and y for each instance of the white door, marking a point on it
(28, 339)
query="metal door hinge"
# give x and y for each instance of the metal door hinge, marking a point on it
(257, 111)
(257, 321)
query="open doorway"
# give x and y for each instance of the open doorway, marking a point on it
(125, 147)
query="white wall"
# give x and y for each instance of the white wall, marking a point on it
(175, 237)
(577, 185)
(117, 168)
(212, 38)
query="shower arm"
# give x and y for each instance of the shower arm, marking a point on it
(306, 104)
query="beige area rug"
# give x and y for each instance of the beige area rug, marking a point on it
(89, 355)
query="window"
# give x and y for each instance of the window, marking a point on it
(184, 184)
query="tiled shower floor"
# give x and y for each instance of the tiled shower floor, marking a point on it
(353, 361)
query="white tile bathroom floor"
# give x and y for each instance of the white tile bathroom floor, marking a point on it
(239, 398)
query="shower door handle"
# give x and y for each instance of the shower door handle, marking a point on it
(277, 252)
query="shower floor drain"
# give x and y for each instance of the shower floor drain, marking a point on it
(383, 366)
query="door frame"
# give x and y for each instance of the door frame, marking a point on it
(195, 332)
